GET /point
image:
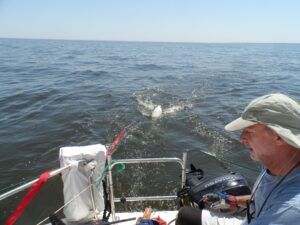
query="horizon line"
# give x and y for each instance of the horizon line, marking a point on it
(171, 42)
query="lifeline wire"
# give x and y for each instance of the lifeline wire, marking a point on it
(76, 196)
(17, 184)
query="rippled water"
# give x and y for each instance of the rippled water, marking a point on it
(64, 93)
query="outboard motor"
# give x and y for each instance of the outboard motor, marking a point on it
(197, 186)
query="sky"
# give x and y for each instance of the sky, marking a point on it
(257, 21)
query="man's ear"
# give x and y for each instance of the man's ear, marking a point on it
(279, 141)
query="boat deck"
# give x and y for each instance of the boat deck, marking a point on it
(167, 216)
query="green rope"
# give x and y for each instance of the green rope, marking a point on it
(154, 211)
(120, 168)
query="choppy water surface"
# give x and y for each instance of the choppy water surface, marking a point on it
(65, 93)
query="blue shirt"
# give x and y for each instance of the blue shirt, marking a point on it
(283, 204)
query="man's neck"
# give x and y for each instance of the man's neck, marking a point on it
(282, 165)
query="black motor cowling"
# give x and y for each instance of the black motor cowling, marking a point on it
(197, 186)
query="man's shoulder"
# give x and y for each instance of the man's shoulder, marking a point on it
(291, 183)
(285, 202)
(289, 192)
(293, 180)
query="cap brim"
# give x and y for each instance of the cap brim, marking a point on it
(238, 124)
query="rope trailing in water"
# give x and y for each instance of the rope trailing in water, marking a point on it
(112, 149)
(116, 142)
(230, 162)
(237, 164)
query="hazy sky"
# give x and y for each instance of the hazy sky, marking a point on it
(153, 20)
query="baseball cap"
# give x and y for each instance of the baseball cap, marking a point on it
(277, 111)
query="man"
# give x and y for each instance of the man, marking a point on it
(271, 132)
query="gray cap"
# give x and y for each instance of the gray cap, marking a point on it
(277, 111)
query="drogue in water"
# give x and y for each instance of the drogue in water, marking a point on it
(157, 112)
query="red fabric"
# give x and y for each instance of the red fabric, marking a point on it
(233, 203)
(28, 197)
(116, 142)
(160, 221)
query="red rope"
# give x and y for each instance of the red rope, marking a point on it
(116, 142)
(43, 179)
(27, 198)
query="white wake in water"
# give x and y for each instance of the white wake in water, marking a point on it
(157, 104)
(157, 112)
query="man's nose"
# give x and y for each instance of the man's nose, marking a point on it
(244, 138)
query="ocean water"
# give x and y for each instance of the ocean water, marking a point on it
(58, 93)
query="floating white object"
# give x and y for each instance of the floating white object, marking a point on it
(157, 112)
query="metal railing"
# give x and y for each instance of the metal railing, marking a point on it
(29, 184)
(113, 200)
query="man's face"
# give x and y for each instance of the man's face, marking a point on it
(260, 140)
